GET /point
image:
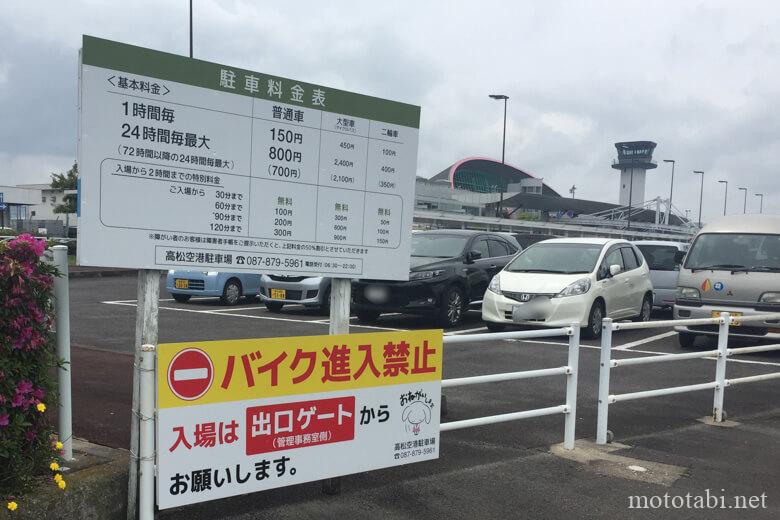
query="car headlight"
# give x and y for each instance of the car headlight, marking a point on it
(770, 297)
(425, 275)
(212, 273)
(495, 285)
(581, 286)
(171, 271)
(688, 293)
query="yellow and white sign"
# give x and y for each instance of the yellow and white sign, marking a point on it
(241, 416)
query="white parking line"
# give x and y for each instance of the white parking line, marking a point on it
(632, 344)
(650, 352)
(223, 313)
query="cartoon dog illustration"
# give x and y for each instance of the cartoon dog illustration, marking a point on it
(414, 414)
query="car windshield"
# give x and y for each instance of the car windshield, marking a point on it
(438, 246)
(659, 258)
(556, 257)
(735, 252)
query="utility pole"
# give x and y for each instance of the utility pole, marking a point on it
(701, 192)
(503, 150)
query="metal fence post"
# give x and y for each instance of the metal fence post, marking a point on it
(62, 324)
(571, 387)
(604, 368)
(720, 366)
(147, 418)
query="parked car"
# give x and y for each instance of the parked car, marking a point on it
(449, 269)
(229, 287)
(664, 259)
(557, 282)
(733, 266)
(309, 291)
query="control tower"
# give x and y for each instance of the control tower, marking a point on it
(633, 160)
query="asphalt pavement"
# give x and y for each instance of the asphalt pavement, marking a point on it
(508, 470)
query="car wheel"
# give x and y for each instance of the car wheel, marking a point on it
(452, 307)
(274, 306)
(181, 298)
(595, 321)
(231, 294)
(686, 339)
(647, 308)
(368, 316)
(492, 326)
(325, 305)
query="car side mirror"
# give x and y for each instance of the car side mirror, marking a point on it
(473, 255)
(679, 256)
(615, 270)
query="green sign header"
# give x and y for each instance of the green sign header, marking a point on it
(165, 66)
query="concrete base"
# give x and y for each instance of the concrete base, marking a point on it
(710, 421)
(604, 461)
(97, 488)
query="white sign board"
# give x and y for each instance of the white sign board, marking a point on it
(242, 416)
(188, 164)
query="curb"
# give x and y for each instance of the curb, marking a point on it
(97, 488)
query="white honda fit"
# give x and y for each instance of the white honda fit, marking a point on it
(565, 280)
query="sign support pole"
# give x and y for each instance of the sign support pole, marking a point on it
(62, 306)
(146, 328)
(340, 299)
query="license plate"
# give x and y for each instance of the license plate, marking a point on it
(278, 294)
(735, 323)
(182, 284)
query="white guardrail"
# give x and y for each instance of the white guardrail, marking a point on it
(721, 354)
(569, 408)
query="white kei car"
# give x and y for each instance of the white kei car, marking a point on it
(558, 282)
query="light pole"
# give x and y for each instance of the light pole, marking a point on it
(671, 191)
(761, 208)
(503, 149)
(725, 195)
(744, 205)
(701, 192)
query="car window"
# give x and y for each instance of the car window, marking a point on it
(613, 258)
(659, 258)
(434, 245)
(751, 252)
(498, 248)
(556, 257)
(629, 258)
(481, 245)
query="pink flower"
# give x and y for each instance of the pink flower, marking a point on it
(18, 401)
(25, 386)
(38, 393)
(30, 435)
(3, 419)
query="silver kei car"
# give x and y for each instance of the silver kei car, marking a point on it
(310, 291)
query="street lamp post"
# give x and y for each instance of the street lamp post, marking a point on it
(701, 192)
(503, 149)
(761, 208)
(671, 191)
(744, 205)
(725, 195)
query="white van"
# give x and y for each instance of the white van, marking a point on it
(664, 259)
(733, 266)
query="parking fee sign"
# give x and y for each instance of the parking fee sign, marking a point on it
(239, 170)
(284, 411)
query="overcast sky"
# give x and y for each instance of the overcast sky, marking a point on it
(700, 78)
